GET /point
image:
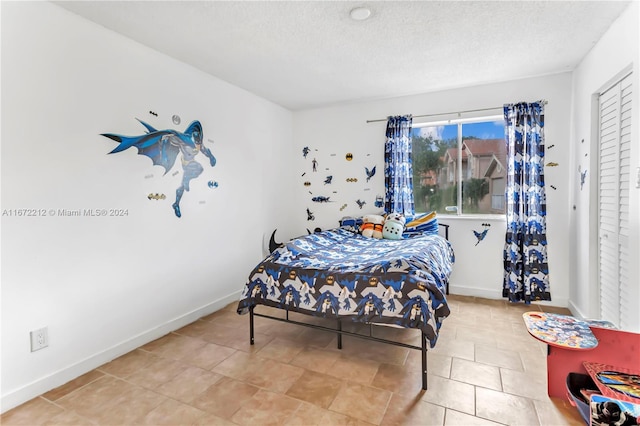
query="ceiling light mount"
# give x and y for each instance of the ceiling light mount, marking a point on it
(360, 13)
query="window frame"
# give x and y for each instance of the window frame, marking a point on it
(459, 172)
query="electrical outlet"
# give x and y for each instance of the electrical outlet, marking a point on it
(39, 339)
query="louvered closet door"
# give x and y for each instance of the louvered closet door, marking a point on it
(614, 177)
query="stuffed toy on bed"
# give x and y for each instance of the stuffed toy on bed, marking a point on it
(372, 226)
(393, 226)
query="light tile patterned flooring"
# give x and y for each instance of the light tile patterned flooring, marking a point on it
(484, 370)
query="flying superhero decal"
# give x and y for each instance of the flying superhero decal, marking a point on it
(320, 199)
(370, 173)
(481, 234)
(163, 147)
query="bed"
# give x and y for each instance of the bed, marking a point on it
(343, 276)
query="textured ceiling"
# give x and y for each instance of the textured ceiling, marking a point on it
(306, 54)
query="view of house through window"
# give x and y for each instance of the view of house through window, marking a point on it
(471, 152)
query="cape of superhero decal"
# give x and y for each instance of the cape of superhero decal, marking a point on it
(163, 147)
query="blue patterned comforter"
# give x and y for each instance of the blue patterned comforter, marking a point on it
(341, 274)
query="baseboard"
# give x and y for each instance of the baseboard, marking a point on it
(475, 292)
(497, 295)
(60, 377)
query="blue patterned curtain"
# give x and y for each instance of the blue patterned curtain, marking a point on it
(398, 170)
(526, 274)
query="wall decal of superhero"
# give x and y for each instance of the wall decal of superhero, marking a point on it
(583, 176)
(320, 199)
(272, 242)
(310, 215)
(370, 173)
(480, 235)
(163, 147)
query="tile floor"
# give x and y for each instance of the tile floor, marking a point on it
(485, 370)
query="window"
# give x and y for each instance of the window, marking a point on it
(471, 151)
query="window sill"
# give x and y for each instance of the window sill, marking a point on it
(494, 217)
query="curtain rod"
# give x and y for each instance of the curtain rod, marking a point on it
(449, 113)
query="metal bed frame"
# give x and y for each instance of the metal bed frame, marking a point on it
(340, 332)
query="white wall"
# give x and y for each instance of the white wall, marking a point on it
(105, 285)
(615, 52)
(341, 129)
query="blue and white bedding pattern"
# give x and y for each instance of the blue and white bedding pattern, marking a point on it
(341, 274)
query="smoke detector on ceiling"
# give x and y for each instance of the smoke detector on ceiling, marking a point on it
(360, 13)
